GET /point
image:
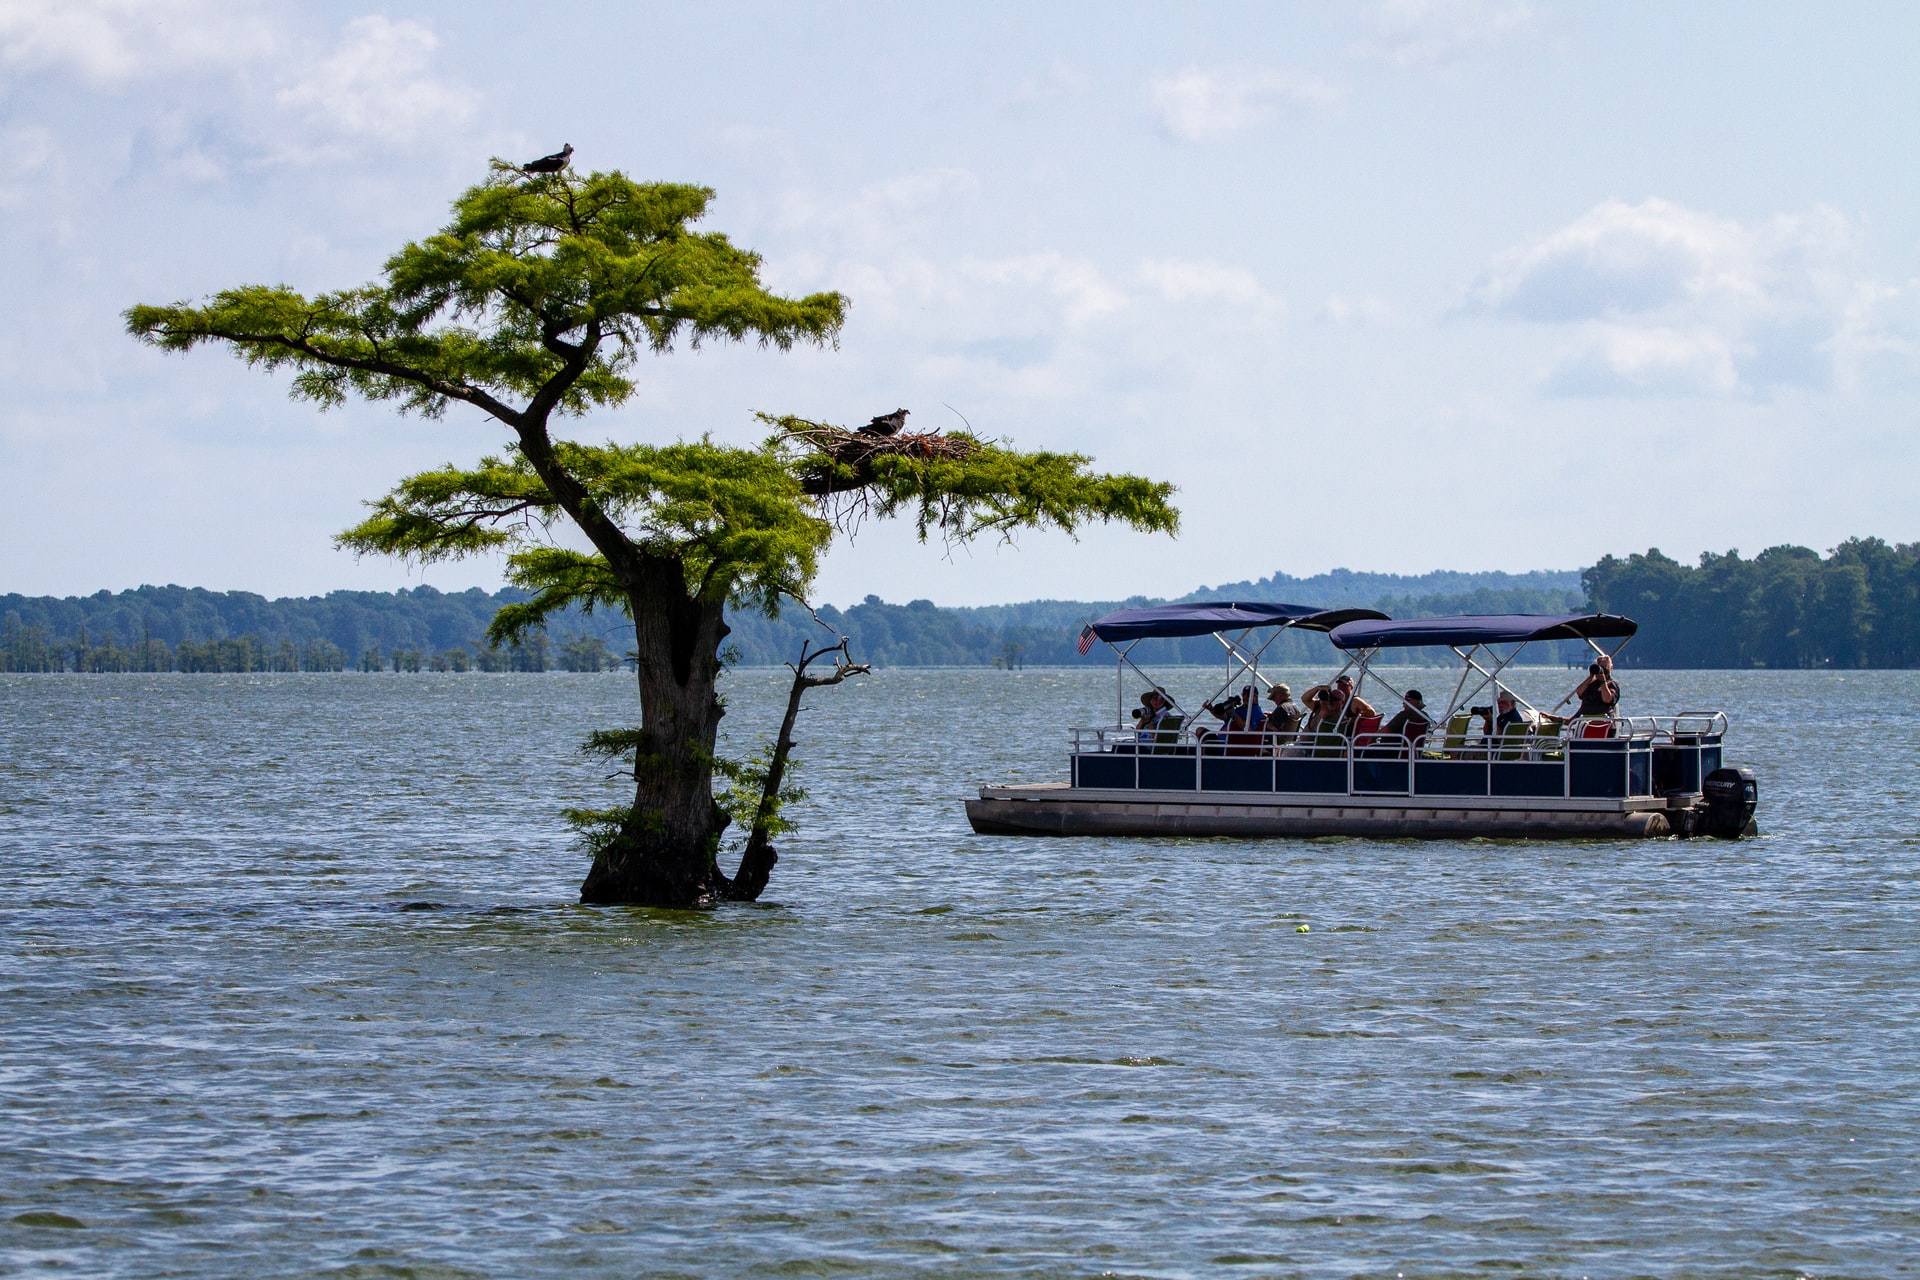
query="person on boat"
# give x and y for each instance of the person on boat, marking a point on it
(1335, 707)
(1284, 720)
(1598, 693)
(1147, 717)
(1240, 720)
(1159, 721)
(1510, 712)
(1410, 722)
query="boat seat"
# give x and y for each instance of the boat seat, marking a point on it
(1549, 744)
(1515, 740)
(1166, 737)
(1597, 729)
(1366, 731)
(1456, 738)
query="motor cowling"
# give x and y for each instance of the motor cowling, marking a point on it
(1730, 797)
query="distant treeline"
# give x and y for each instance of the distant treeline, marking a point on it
(1044, 633)
(1787, 607)
(192, 629)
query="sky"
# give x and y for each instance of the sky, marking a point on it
(1398, 286)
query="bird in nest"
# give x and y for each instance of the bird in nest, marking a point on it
(886, 424)
(550, 164)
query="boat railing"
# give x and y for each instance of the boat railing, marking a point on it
(1651, 728)
(1628, 756)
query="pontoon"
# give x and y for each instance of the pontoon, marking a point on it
(1543, 775)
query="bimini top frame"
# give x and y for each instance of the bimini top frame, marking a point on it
(1231, 622)
(1474, 638)
(1482, 628)
(1214, 616)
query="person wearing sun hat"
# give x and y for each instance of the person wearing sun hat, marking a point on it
(1286, 715)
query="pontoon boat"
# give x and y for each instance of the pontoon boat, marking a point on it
(1541, 775)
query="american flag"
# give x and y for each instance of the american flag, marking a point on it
(1086, 639)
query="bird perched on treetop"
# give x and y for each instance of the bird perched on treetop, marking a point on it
(550, 164)
(886, 424)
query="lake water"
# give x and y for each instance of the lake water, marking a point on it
(226, 1049)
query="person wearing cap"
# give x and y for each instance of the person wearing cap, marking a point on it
(1286, 714)
(1239, 713)
(1410, 722)
(1509, 712)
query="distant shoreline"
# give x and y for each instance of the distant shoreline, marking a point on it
(1789, 607)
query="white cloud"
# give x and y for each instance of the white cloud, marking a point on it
(1880, 331)
(31, 152)
(1420, 33)
(1615, 360)
(379, 83)
(1075, 289)
(1181, 281)
(1059, 82)
(111, 41)
(1622, 258)
(1206, 106)
(1365, 311)
(914, 191)
(205, 68)
(880, 214)
(1666, 298)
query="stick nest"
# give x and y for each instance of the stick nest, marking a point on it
(855, 452)
(837, 468)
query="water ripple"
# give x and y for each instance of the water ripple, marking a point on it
(295, 985)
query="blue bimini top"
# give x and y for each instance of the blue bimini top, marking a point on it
(1206, 617)
(1482, 628)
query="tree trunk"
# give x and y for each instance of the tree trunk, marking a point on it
(757, 859)
(664, 853)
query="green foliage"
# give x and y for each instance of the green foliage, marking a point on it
(1786, 607)
(964, 486)
(999, 491)
(614, 744)
(538, 298)
(587, 653)
(598, 828)
(739, 799)
(746, 785)
(559, 579)
(540, 290)
(735, 520)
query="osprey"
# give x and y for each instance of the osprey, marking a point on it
(549, 164)
(886, 424)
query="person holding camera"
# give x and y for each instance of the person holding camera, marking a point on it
(1243, 715)
(1153, 709)
(1334, 705)
(1504, 713)
(1240, 719)
(1598, 693)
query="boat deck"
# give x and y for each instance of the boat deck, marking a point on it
(1523, 785)
(1059, 809)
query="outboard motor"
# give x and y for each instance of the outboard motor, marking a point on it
(1731, 796)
